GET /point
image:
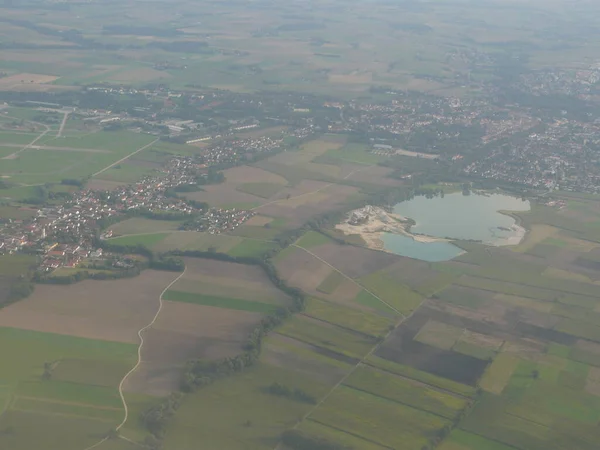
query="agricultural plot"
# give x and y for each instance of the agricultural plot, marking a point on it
(237, 412)
(320, 431)
(303, 358)
(402, 348)
(406, 392)
(494, 419)
(80, 389)
(420, 376)
(219, 302)
(390, 424)
(263, 190)
(329, 337)
(184, 331)
(75, 157)
(439, 334)
(139, 225)
(398, 296)
(193, 240)
(148, 240)
(111, 311)
(351, 153)
(331, 283)
(225, 279)
(350, 318)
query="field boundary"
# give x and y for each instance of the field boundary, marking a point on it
(352, 280)
(312, 192)
(125, 158)
(139, 360)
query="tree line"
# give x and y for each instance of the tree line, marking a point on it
(198, 372)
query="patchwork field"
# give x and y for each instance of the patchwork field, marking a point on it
(207, 314)
(53, 159)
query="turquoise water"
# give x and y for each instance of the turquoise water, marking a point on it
(455, 216)
(426, 251)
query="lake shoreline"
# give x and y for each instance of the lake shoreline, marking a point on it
(376, 223)
(484, 224)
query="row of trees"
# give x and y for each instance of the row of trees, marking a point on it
(198, 372)
(85, 274)
(298, 440)
(296, 394)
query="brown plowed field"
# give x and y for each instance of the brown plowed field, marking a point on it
(184, 331)
(248, 174)
(303, 270)
(354, 261)
(108, 310)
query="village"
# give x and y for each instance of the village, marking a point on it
(65, 235)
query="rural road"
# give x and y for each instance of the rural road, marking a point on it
(30, 145)
(125, 158)
(62, 124)
(139, 360)
(349, 278)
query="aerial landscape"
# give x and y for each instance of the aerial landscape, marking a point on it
(300, 225)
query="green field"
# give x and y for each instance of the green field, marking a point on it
(81, 392)
(389, 423)
(251, 248)
(331, 283)
(263, 190)
(312, 239)
(14, 137)
(407, 392)
(85, 155)
(318, 430)
(236, 413)
(138, 225)
(367, 299)
(423, 377)
(350, 153)
(220, 302)
(15, 265)
(146, 240)
(327, 336)
(461, 440)
(353, 319)
(394, 293)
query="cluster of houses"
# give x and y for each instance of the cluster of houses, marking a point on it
(217, 220)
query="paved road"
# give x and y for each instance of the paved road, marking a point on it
(62, 125)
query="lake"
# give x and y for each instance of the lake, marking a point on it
(456, 216)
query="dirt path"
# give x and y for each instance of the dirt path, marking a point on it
(125, 158)
(139, 361)
(31, 144)
(312, 192)
(62, 124)
(349, 278)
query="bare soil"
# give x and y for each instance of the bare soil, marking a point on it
(303, 271)
(184, 331)
(354, 261)
(107, 310)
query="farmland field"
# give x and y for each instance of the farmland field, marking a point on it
(299, 112)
